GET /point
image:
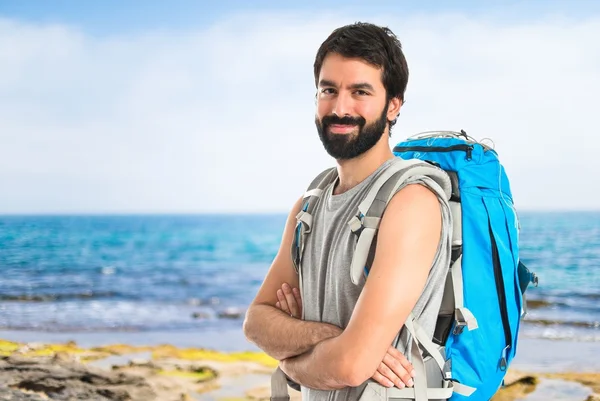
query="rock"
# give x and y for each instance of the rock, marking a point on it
(231, 313)
(593, 397)
(62, 356)
(517, 389)
(9, 394)
(140, 362)
(186, 397)
(63, 378)
(30, 347)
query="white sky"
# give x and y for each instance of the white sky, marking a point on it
(220, 119)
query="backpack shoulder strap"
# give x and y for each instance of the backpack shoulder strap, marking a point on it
(366, 223)
(304, 217)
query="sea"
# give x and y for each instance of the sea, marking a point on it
(188, 279)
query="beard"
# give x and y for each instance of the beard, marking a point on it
(349, 146)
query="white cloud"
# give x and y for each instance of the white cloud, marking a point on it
(221, 118)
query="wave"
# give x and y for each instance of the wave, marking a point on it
(549, 322)
(62, 297)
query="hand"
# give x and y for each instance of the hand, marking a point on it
(394, 370)
(290, 301)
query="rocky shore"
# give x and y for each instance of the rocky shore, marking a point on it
(35, 371)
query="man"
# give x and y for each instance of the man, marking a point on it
(344, 339)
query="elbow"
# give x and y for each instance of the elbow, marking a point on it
(248, 325)
(354, 376)
(355, 370)
(253, 329)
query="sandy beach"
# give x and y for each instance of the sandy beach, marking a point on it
(543, 370)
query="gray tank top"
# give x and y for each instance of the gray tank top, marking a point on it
(329, 295)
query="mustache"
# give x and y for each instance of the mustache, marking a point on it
(346, 120)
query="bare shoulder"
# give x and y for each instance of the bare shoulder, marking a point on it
(412, 221)
(415, 199)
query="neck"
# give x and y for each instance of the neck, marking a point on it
(353, 171)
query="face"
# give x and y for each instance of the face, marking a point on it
(352, 112)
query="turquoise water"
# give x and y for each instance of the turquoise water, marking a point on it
(170, 273)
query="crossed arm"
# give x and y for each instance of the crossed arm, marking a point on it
(323, 356)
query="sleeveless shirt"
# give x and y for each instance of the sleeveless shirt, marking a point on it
(329, 295)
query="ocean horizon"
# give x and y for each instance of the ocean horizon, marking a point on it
(196, 273)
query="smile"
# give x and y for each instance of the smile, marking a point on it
(341, 128)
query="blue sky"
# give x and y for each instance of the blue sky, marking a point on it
(178, 107)
(118, 16)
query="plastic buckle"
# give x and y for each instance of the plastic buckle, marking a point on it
(458, 329)
(356, 224)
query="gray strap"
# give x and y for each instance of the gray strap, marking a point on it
(456, 211)
(457, 284)
(367, 221)
(420, 387)
(398, 165)
(461, 389)
(322, 180)
(314, 192)
(417, 331)
(411, 393)
(371, 222)
(305, 218)
(279, 389)
(464, 317)
(438, 175)
(447, 306)
(421, 390)
(361, 253)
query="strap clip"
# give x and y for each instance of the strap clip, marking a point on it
(356, 224)
(459, 327)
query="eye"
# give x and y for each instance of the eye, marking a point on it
(361, 93)
(328, 91)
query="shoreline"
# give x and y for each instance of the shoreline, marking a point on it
(183, 366)
(533, 354)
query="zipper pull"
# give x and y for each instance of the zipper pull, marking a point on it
(469, 152)
(503, 360)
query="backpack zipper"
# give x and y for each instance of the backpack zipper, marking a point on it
(465, 148)
(501, 300)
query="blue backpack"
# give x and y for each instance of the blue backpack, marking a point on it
(479, 331)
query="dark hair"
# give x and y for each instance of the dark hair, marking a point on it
(374, 44)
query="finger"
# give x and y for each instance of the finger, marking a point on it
(298, 297)
(398, 369)
(379, 378)
(291, 300)
(390, 375)
(283, 302)
(278, 305)
(400, 357)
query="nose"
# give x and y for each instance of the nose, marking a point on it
(343, 105)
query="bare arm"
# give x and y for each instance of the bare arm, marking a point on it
(282, 336)
(278, 334)
(408, 238)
